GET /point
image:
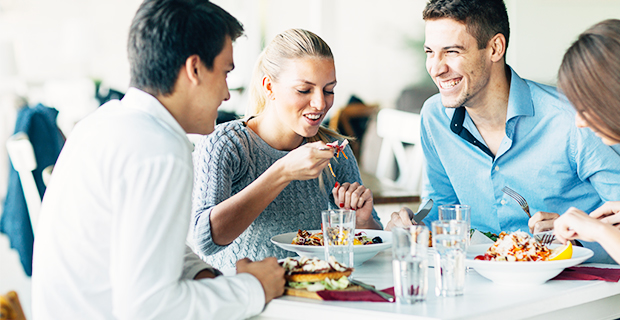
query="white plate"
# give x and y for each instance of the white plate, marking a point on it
(361, 253)
(523, 273)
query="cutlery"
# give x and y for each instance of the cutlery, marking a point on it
(386, 296)
(520, 200)
(545, 237)
(423, 212)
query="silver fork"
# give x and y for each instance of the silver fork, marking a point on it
(545, 237)
(520, 200)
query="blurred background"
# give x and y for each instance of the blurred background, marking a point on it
(71, 54)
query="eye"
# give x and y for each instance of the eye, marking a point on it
(303, 91)
(328, 92)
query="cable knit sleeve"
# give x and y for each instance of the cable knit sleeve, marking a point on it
(219, 161)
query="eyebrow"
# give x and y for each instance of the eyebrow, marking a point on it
(448, 47)
(313, 84)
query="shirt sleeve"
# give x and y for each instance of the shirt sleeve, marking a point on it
(350, 172)
(437, 185)
(148, 250)
(597, 163)
(217, 164)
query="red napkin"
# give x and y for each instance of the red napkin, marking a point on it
(366, 295)
(589, 273)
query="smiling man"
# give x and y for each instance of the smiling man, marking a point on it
(488, 128)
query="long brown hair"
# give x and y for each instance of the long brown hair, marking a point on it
(589, 76)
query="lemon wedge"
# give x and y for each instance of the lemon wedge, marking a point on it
(562, 253)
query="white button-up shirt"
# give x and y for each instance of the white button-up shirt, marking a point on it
(110, 243)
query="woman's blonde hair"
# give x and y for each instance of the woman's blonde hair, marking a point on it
(288, 45)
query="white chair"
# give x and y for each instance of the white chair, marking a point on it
(22, 157)
(401, 149)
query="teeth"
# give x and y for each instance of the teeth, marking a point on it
(313, 116)
(450, 84)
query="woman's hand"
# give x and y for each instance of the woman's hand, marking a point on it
(306, 162)
(576, 224)
(608, 213)
(359, 198)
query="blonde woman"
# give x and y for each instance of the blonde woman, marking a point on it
(269, 174)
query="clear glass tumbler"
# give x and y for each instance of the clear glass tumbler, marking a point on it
(450, 243)
(410, 263)
(338, 235)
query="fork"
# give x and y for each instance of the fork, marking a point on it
(545, 237)
(520, 200)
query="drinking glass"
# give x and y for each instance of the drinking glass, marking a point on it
(410, 263)
(338, 234)
(450, 243)
(456, 212)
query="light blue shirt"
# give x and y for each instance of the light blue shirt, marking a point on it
(544, 157)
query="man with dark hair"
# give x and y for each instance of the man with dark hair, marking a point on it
(488, 128)
(114, 219)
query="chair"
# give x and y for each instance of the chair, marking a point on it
(401, 158)
(10, 307)
(22, 157)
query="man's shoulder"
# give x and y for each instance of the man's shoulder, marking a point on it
(432, 105)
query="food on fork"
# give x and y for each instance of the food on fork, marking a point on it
(306, 238)
(516, 246)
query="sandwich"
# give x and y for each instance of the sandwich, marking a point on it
(305, 276)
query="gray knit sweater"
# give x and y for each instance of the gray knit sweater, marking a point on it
(231, 158)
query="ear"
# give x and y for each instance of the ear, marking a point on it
(268, 87)
(192, 64)
(497, 45)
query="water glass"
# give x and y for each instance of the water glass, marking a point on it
(338, 234)
(410, 263)
(450, 243)
(456, 212)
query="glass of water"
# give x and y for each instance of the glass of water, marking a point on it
(450, 243)
(456, 212)
(410, 263)
(338, 234)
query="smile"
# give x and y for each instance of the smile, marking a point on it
(450, 83)
(313, 116)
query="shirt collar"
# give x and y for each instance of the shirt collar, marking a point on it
(140, 100)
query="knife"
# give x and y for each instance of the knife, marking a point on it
(384, 295)
(423, 212)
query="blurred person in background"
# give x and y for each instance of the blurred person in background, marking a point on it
(590, 78)
(110, 243)
(268, 174)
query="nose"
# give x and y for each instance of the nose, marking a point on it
(579, 121)
(435, 65)
(318, 100)
(227, 96)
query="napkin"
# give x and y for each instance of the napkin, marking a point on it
(589, 273)
(354, 295)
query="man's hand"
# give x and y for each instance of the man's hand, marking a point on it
(542, 221)
(401, 218)
(268, 272)
(205, 274)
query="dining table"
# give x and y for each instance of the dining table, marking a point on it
(482, 299)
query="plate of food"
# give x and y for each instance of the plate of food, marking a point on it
(308, 243)
(517, 259)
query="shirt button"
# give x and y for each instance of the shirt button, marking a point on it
(503, 202)
(496, 168)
